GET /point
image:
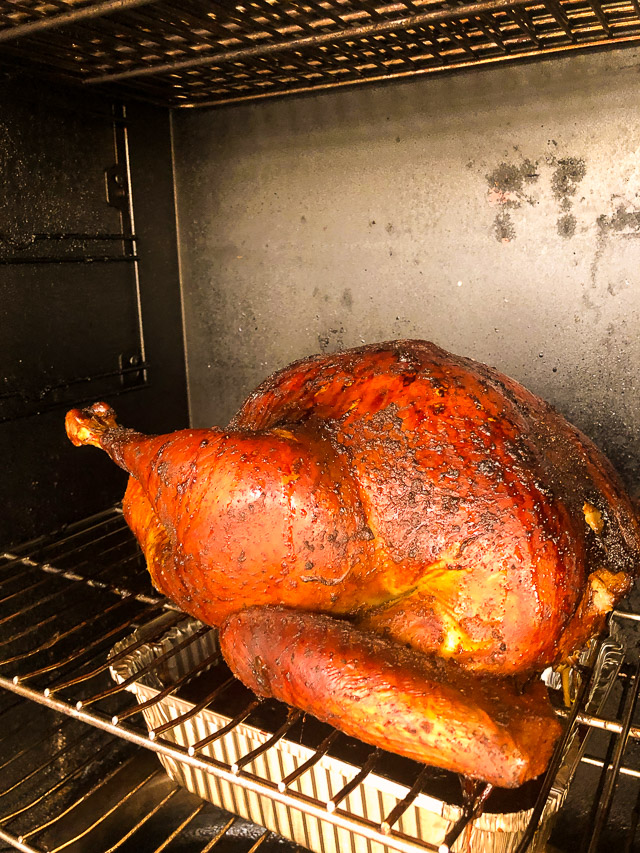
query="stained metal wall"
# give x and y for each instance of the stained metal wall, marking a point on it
(496, 213)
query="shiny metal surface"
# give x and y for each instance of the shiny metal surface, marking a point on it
(196, 53)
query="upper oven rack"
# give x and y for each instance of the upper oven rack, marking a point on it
(51, 657)
(194, 53)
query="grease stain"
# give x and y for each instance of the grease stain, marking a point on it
(566, 178)
(508, 184)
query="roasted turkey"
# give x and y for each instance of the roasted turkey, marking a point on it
(394, 539)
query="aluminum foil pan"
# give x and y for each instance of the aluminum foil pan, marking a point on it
(425, 822)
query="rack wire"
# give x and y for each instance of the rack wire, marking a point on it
(69, 787)
(67, 249)
(67, 599)
(193, 53)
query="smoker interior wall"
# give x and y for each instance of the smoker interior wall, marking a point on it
(62, 321)
(496, 213)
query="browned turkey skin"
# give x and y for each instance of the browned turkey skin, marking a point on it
(399, 507)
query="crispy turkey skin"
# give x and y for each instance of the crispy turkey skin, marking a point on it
(424, 500)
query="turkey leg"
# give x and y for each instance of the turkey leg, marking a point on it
(232, 518)
(393, 697)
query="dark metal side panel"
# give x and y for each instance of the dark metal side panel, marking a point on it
(78, 321)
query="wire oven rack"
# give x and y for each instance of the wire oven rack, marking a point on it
(120, 794)
(65, 601)
(190, 53)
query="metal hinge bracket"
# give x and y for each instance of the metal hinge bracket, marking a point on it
(116, 187)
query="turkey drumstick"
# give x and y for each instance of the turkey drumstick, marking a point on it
(393, 697)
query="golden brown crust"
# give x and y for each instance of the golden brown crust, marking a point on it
(392, 697)
(474, 489)
(429, 500)
(438, 502)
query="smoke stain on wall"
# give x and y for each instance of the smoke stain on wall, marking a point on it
(567, 225)
(511, 186)
(508, 184)
(332, 340)
(567, 175)
(503, 227)
(347, 299)
(623, 222)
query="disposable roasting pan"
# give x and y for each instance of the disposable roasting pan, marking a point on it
(423, 825)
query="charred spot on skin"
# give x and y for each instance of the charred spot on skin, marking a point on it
(408, 379)
(487, 467)
(163, 471)
(182, 486)
(498, 656)
(450, 503)
(162, 449)
(260, 674)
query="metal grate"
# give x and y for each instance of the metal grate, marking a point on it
(65, 786)
(199, 53)
(67, 600)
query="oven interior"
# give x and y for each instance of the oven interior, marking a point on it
(196, 194)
